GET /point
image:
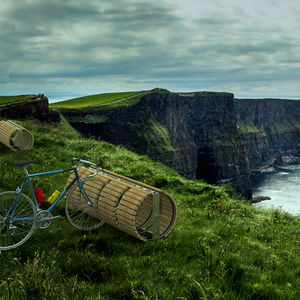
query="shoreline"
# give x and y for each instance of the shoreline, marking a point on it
(282, 186)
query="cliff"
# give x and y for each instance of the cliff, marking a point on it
(34, 107)
(196, 134)
(271, 129)
(202, 135)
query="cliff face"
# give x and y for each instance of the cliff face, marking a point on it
(271, 128)
(34, 107)
(195, 134)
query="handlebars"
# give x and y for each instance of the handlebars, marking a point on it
(84, 161)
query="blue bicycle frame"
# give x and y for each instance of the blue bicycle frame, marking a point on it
(27, 180)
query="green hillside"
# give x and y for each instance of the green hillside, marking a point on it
(93, 100)
(221, 247)
(6, 99)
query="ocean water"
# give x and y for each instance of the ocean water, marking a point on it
(283, 187)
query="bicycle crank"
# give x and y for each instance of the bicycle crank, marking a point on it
(43, 219)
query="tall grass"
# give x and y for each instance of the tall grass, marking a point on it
(221, 246)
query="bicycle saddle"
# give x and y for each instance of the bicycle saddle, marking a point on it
(24, 163)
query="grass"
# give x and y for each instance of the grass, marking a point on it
(289, 126)
(92, 100)
(249, 127)
(128, 102)
(6, 99)
(221, 246)
(285, 127)
(96, 102)
(91, 109)
(156, 136)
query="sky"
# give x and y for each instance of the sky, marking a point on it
(73, 47)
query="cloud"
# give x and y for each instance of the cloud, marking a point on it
(91, 46)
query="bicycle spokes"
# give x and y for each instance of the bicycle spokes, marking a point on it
(16, 219)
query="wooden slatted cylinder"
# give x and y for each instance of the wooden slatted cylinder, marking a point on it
(15, 136)
(127, 204)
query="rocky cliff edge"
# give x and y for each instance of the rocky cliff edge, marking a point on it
(194, 133)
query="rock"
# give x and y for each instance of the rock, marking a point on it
(271, 128)
(267, 170)
(54, 115)
(34, 107)
(259, 199)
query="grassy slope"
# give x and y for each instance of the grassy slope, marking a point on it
(92, 100)
(97, 101)
(220, 248)
(6, 99)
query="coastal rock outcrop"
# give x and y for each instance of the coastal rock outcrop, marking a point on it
(33, 107)
(271, 129)
(194, 133)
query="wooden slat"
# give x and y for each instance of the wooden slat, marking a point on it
(129, 199)
(129, 205)
(125, 218)
(103, 210)
(108, 205)
(108, 199)
(108, 192)
(126, 210)
(129, 227)
(138, 194)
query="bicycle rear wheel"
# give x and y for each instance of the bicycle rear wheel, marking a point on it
(16, 219)
(82, 204)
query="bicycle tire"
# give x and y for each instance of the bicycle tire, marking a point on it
(78, 212)
(16, 232)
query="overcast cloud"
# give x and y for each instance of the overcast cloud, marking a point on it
(75, 47)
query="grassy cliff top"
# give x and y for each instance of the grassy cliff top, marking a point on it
(112, 100)
(6, 99)
(94, 100)
(221, 247)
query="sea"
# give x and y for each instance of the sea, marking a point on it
(283, 187)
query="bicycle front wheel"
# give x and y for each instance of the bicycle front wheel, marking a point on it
(17, 224)
(82, 204)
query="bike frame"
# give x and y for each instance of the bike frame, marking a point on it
(27, 180)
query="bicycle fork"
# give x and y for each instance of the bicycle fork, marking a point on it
(85, 196)
(7, 220)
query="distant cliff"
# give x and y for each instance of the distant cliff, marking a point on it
(196, 134)
(271, 128)
(33, 107)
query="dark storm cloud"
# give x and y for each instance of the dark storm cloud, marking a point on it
(48, 44)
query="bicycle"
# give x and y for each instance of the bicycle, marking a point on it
(20, 215)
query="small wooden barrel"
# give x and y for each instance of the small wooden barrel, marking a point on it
(15, 136)
(128, 204)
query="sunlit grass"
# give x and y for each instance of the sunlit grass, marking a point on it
(6, 99)
(92, 100)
